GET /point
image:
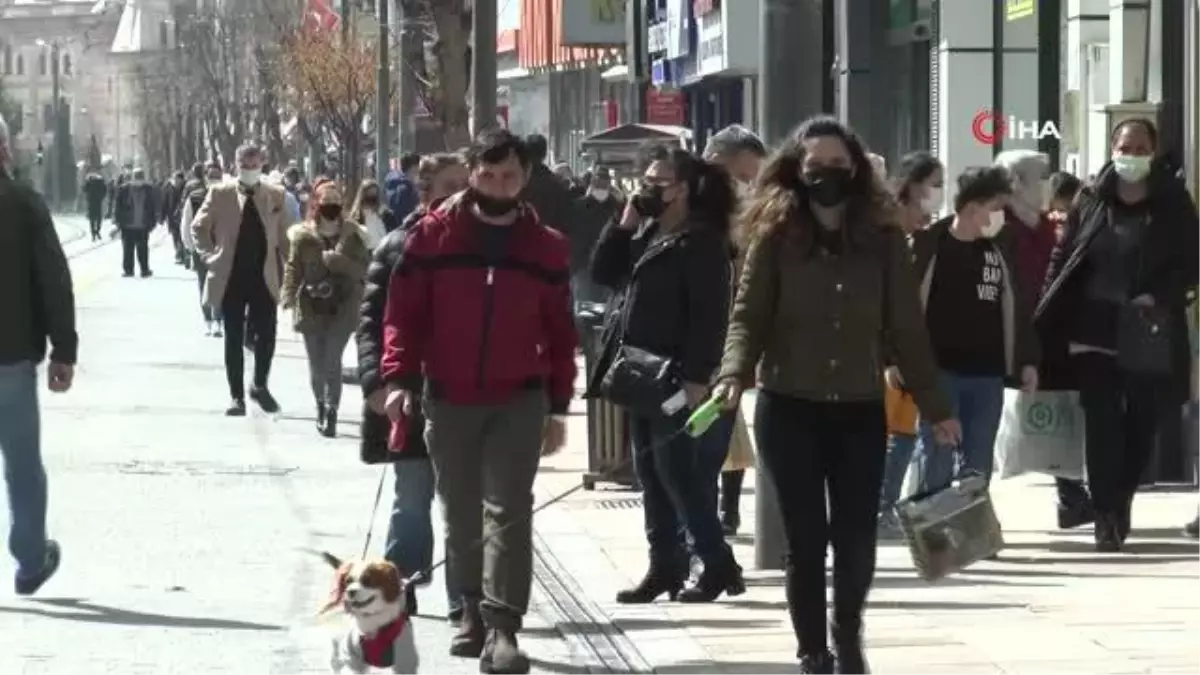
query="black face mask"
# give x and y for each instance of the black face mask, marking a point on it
(330, 211)
(649, 201)
(494, 207)
(828, 186)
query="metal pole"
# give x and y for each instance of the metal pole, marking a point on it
(383, 96)
(635, 56)
(408, 95)
(791, 34)
(483, 65)
(57, 155)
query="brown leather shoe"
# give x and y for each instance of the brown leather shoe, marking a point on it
(502, 654)
(468, 641)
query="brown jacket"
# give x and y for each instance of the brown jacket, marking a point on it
(345, 268)
(821, 324)
(215, 233)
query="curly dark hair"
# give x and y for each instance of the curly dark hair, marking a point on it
(779, 203)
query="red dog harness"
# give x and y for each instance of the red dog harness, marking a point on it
(377, 649)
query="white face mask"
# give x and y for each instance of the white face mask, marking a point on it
(743, 189)
(1132, 168)
(932, 202)
(995, 223)
(250, 177)
(600, 194)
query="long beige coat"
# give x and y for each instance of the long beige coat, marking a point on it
(215, 233)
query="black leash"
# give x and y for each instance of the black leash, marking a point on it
(423, 575)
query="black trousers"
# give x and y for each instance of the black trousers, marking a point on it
(95, 220)
(135, 242)
(248, 302)
(1122, 411)
(811, 450)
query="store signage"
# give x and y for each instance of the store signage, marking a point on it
(710, 45)
(677, 28)
(1019, 9)
(665, 106)
(588, 23)
(656, 38)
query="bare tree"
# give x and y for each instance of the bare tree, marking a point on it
(439, 61)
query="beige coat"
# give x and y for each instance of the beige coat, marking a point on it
(310, 262)
(215, 233)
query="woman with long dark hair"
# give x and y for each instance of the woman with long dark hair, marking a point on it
(668, 258)
(827, 296)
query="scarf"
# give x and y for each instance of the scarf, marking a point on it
(377, 648)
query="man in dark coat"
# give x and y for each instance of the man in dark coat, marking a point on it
(546, 191)
(95, 189)
(38, 306)
(136, 212)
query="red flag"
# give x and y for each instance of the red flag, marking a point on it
(319, 16)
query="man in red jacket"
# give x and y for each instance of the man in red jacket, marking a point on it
(478, 303)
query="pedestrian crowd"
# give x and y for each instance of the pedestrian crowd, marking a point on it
(889, 324)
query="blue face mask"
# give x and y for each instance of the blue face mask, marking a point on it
(1131, 168)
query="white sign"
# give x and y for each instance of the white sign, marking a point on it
(710, 45)
(677, 28)
(656, 38)
(593, 22)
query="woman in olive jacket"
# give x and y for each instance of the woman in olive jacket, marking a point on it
(827, 281)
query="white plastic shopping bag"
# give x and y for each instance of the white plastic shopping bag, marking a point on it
(1040, 432)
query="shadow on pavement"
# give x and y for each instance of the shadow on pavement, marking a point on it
(543, 666)
(1161, 551)
(729, 667)
(903, 579)
(94, 613)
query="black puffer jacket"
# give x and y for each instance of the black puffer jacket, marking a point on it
(375, 427)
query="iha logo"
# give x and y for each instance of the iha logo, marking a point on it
(989, 127)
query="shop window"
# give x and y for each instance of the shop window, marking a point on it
(66, 64)
(20, 65)
(163, 35)
(8, 60)
(42, 63)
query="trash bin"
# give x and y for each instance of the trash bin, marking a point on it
(609, 447)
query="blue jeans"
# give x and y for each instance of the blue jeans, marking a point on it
(977, 402)
(20, 445)
(678, 495)
(900, 451)
(713, 448)
(410, 530)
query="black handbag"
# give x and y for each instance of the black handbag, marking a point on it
(1144, 334)
(1144, 344)
(640, 381)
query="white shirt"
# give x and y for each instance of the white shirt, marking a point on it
(375, 228)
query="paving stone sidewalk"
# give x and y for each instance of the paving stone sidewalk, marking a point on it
(185, 532)
(1050, 604)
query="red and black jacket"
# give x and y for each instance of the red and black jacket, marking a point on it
(480, 331)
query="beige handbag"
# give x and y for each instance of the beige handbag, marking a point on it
(741, 448)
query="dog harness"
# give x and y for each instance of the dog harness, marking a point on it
(377, 650)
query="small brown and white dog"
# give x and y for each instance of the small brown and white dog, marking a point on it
(381, 636)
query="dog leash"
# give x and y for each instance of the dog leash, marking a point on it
(696, 426)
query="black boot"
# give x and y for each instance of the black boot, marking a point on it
(1108, 539)
(1073, 515)
(468, 641)
(817, 663)
(237, 408)
(659, 579)
(731, 495)
(321, 418)
(848, 648)
(502, 654)
(331, 417)
(1124, 519)
(717, 578)
(1192, 529)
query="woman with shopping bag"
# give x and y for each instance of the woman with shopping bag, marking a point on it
(1113, 310)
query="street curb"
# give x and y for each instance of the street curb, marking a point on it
(589, 633)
